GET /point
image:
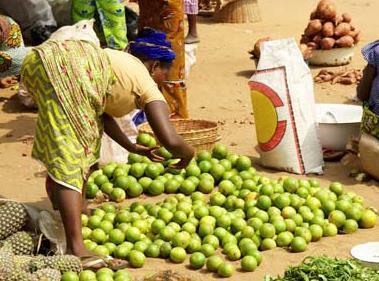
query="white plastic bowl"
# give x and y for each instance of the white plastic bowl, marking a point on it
(333, 57)
(367, 254)
(338, 123)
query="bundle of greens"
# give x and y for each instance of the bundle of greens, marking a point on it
(327, 269)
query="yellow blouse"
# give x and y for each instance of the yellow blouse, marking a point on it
(134, 87)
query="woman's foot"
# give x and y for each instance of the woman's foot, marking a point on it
(191, 39)
(90, 260)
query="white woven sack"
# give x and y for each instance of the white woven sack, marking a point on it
(284, 110)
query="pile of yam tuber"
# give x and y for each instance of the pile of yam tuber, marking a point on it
(345, 77)
(327, 29)
(256, 51)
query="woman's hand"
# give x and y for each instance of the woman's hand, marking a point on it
(149, 152)
(184, 160)
(158, 116)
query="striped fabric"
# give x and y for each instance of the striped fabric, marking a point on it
(191, 7)
(371, 54)
(56, 143)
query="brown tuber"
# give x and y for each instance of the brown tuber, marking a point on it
(346, 18)
(338, 20)
(345, 42)
(304, 39)
(314, 27)
(328, 29)
(317, 39)
(327, 43)
(313, 46)
(313, 15)
(257, 46)
(326, 10)
(357, 37)
(342, 29)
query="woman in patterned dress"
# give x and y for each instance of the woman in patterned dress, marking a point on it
(12, 51)
(77, 100)
(110, 15)
(368, 90)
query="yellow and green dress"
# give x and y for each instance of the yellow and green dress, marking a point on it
(111, 17)
(74, 83)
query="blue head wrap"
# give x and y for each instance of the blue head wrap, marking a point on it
(152, 45)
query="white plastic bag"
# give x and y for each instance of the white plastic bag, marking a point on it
(284, 110)
(112, 151)
(190, 57)
(82, 30)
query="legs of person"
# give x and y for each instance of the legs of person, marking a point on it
(192, 36)
(192, 9)
(85, 209)
(82, 9)
(69, 204)
(113, 22)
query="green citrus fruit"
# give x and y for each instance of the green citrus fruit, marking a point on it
(220, 151)
(70, 276)
(268, 244)
(350, 226)
(197, 260)
(298, 245)
(249, 263)
(225, 270)
(368, 219)
(136, 259)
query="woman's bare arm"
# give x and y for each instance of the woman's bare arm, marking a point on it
(364, 87)
(158, 116)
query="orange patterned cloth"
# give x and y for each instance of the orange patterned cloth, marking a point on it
(169, 19)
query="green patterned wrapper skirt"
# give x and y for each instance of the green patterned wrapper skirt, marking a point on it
(56, 144)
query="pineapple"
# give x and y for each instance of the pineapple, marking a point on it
(47, 274)
(19, 275)
(13, 217)
(22, 243)
(64, 263)
(38, 263)
(22, 262)
(6, 261)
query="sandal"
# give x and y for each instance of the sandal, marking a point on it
(97, 262)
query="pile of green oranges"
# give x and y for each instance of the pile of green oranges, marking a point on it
(104, 274)
(219, 211)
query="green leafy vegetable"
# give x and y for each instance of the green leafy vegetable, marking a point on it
(327, 269)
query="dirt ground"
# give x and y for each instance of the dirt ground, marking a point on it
(217, 90)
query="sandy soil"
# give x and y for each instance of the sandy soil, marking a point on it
(217, 90)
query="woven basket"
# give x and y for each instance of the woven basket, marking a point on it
(239, 11)
(200, 134)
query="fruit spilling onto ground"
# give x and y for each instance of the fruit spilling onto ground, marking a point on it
(220, 204)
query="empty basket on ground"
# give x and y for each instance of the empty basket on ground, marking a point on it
(200, 134)
(239, 11)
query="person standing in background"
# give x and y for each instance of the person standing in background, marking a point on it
(168, 16)
(12, 52)
(191, 9)
(111, 16)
